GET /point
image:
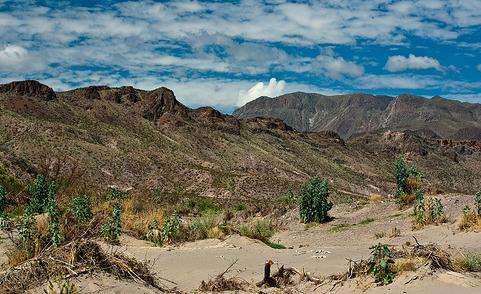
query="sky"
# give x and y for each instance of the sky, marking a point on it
(226, 53)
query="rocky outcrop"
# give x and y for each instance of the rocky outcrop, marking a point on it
(161, 101)
(29, 88)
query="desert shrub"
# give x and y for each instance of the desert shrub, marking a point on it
(41, 190)
(380, 264)
(54, 215)
(240, 207)
(112, 229)
(470, 221)
(314, 203)
(408, 181)
(477, 203)
(261, 230)
(28, 235)
(469, 262)
(171, 229)
(208, 225)
(80, 209)
(428, 211)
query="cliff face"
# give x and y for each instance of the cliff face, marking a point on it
(358, 113)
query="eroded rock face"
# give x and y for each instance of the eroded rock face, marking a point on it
(161, 101)
(29, 88)
(263, 123)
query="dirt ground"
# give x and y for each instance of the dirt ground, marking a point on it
(320, 250)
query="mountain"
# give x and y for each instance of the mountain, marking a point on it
(99, 136)
(359, 113)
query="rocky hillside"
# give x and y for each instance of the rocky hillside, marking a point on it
(139, 140)
(358, 113)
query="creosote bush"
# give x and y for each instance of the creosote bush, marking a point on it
(408, 181)
(314, 203)
(380, 264)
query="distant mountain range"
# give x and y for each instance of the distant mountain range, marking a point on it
(353, 114)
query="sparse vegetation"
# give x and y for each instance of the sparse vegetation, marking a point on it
(171, 229)
(261, 229)
(314, 203)
(208, 225)
(470, 220)
(41, 191)
(380, 264)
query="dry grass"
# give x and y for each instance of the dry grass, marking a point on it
(408, 264)
(375, 197)
(395, 232)
(470, 222)
(71, 260)
(136, 217)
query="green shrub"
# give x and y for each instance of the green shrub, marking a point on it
(3, 199)
(380, 264)
(314, 203)
(408, 180)
(261, 230)
(41, 190)
(116, 194)
(289, 198)
(27, 230)
(54, 215)
(80, 209)
(112, 229)
(171, 229)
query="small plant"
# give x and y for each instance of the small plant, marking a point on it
(54, 215)
(28, 232)
(60, 286)
(380, 264)
(80, 209)
(469, 262)
(240, 207)
(112, 229)
(477, 201)
(41, 190)
(171, 229)
(314, 203)
(428, 211)
(154, 234)
(116, 194)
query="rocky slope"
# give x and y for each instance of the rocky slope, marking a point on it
(358, 113)
(99, 136)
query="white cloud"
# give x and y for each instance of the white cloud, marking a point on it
(471, 98)
(273, 89)
(394, 82)
(15, 58)
(326, 64)
(479, 67)
(398, 63)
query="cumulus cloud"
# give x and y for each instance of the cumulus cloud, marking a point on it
(273, 89)
(15, 58)
(398, 63)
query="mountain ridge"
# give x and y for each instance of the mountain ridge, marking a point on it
(359, 112)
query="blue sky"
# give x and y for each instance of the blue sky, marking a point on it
(224, 54)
